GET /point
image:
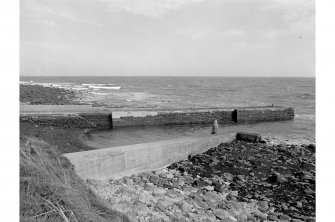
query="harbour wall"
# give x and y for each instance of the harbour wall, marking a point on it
(115, 119)
(116, 162)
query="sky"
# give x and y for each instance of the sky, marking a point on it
(167, 38)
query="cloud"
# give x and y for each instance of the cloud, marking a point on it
(194, 34)
(45, 46)
(45, 12)
(44, 22)
(293, 9)
(206, 33)
(149, 8)
(71, 17)
(233, 33)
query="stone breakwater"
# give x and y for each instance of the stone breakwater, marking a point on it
(237, 181)
(113, 119)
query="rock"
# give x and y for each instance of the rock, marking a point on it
(129, 182)
(164, 203)
(241, 217)
(209, 188)
(240, 177)
(149, 186)
(228, 176)
(264, 205)
(311, 147)
(292, 208)
(230, 219)
(277, 178)
(185, 207)
(299, 204)
(272, 218)
(188, 180)
(309, 191)
(199, 200)
(181, 182)
(158, 191)
(154, 179)
(214, 162)
(175, 184)
(218, 187)
(284, 217)
(172, 193)
(234, 193)
(200, 183)
(141, 208)
(161, 207)
(250, 137)
(260, 215)
(221, 214)
(169, 176)
(284, 206)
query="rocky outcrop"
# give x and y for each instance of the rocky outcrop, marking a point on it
(238, 181)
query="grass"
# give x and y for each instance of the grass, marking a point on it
(51, 191)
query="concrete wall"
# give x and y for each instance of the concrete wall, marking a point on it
(264, 114)
(116, 119)
(100, 120)
(122, 161)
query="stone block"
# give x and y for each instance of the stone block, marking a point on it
(251, 137)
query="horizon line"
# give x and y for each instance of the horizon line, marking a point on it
(170, 76)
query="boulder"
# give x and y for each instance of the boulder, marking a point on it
(250, 137)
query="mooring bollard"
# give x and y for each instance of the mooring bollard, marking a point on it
(215, 127)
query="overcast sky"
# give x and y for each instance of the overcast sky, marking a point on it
(167, 37)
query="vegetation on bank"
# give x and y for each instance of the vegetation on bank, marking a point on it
(50, 190)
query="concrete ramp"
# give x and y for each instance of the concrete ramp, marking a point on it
(122, 161)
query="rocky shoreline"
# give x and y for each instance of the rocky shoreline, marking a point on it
(38, 94)
(237, 181)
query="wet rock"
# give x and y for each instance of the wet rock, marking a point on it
(312, 147)
(277, 178)
(200, 183)
(299, 204)
(251, 137)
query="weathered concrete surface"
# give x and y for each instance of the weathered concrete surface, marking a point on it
(122, 161)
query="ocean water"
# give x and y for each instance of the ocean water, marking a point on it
(194, 92)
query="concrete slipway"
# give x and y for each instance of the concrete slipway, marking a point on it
(117, 162)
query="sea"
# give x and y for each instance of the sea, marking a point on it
(193, 92)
